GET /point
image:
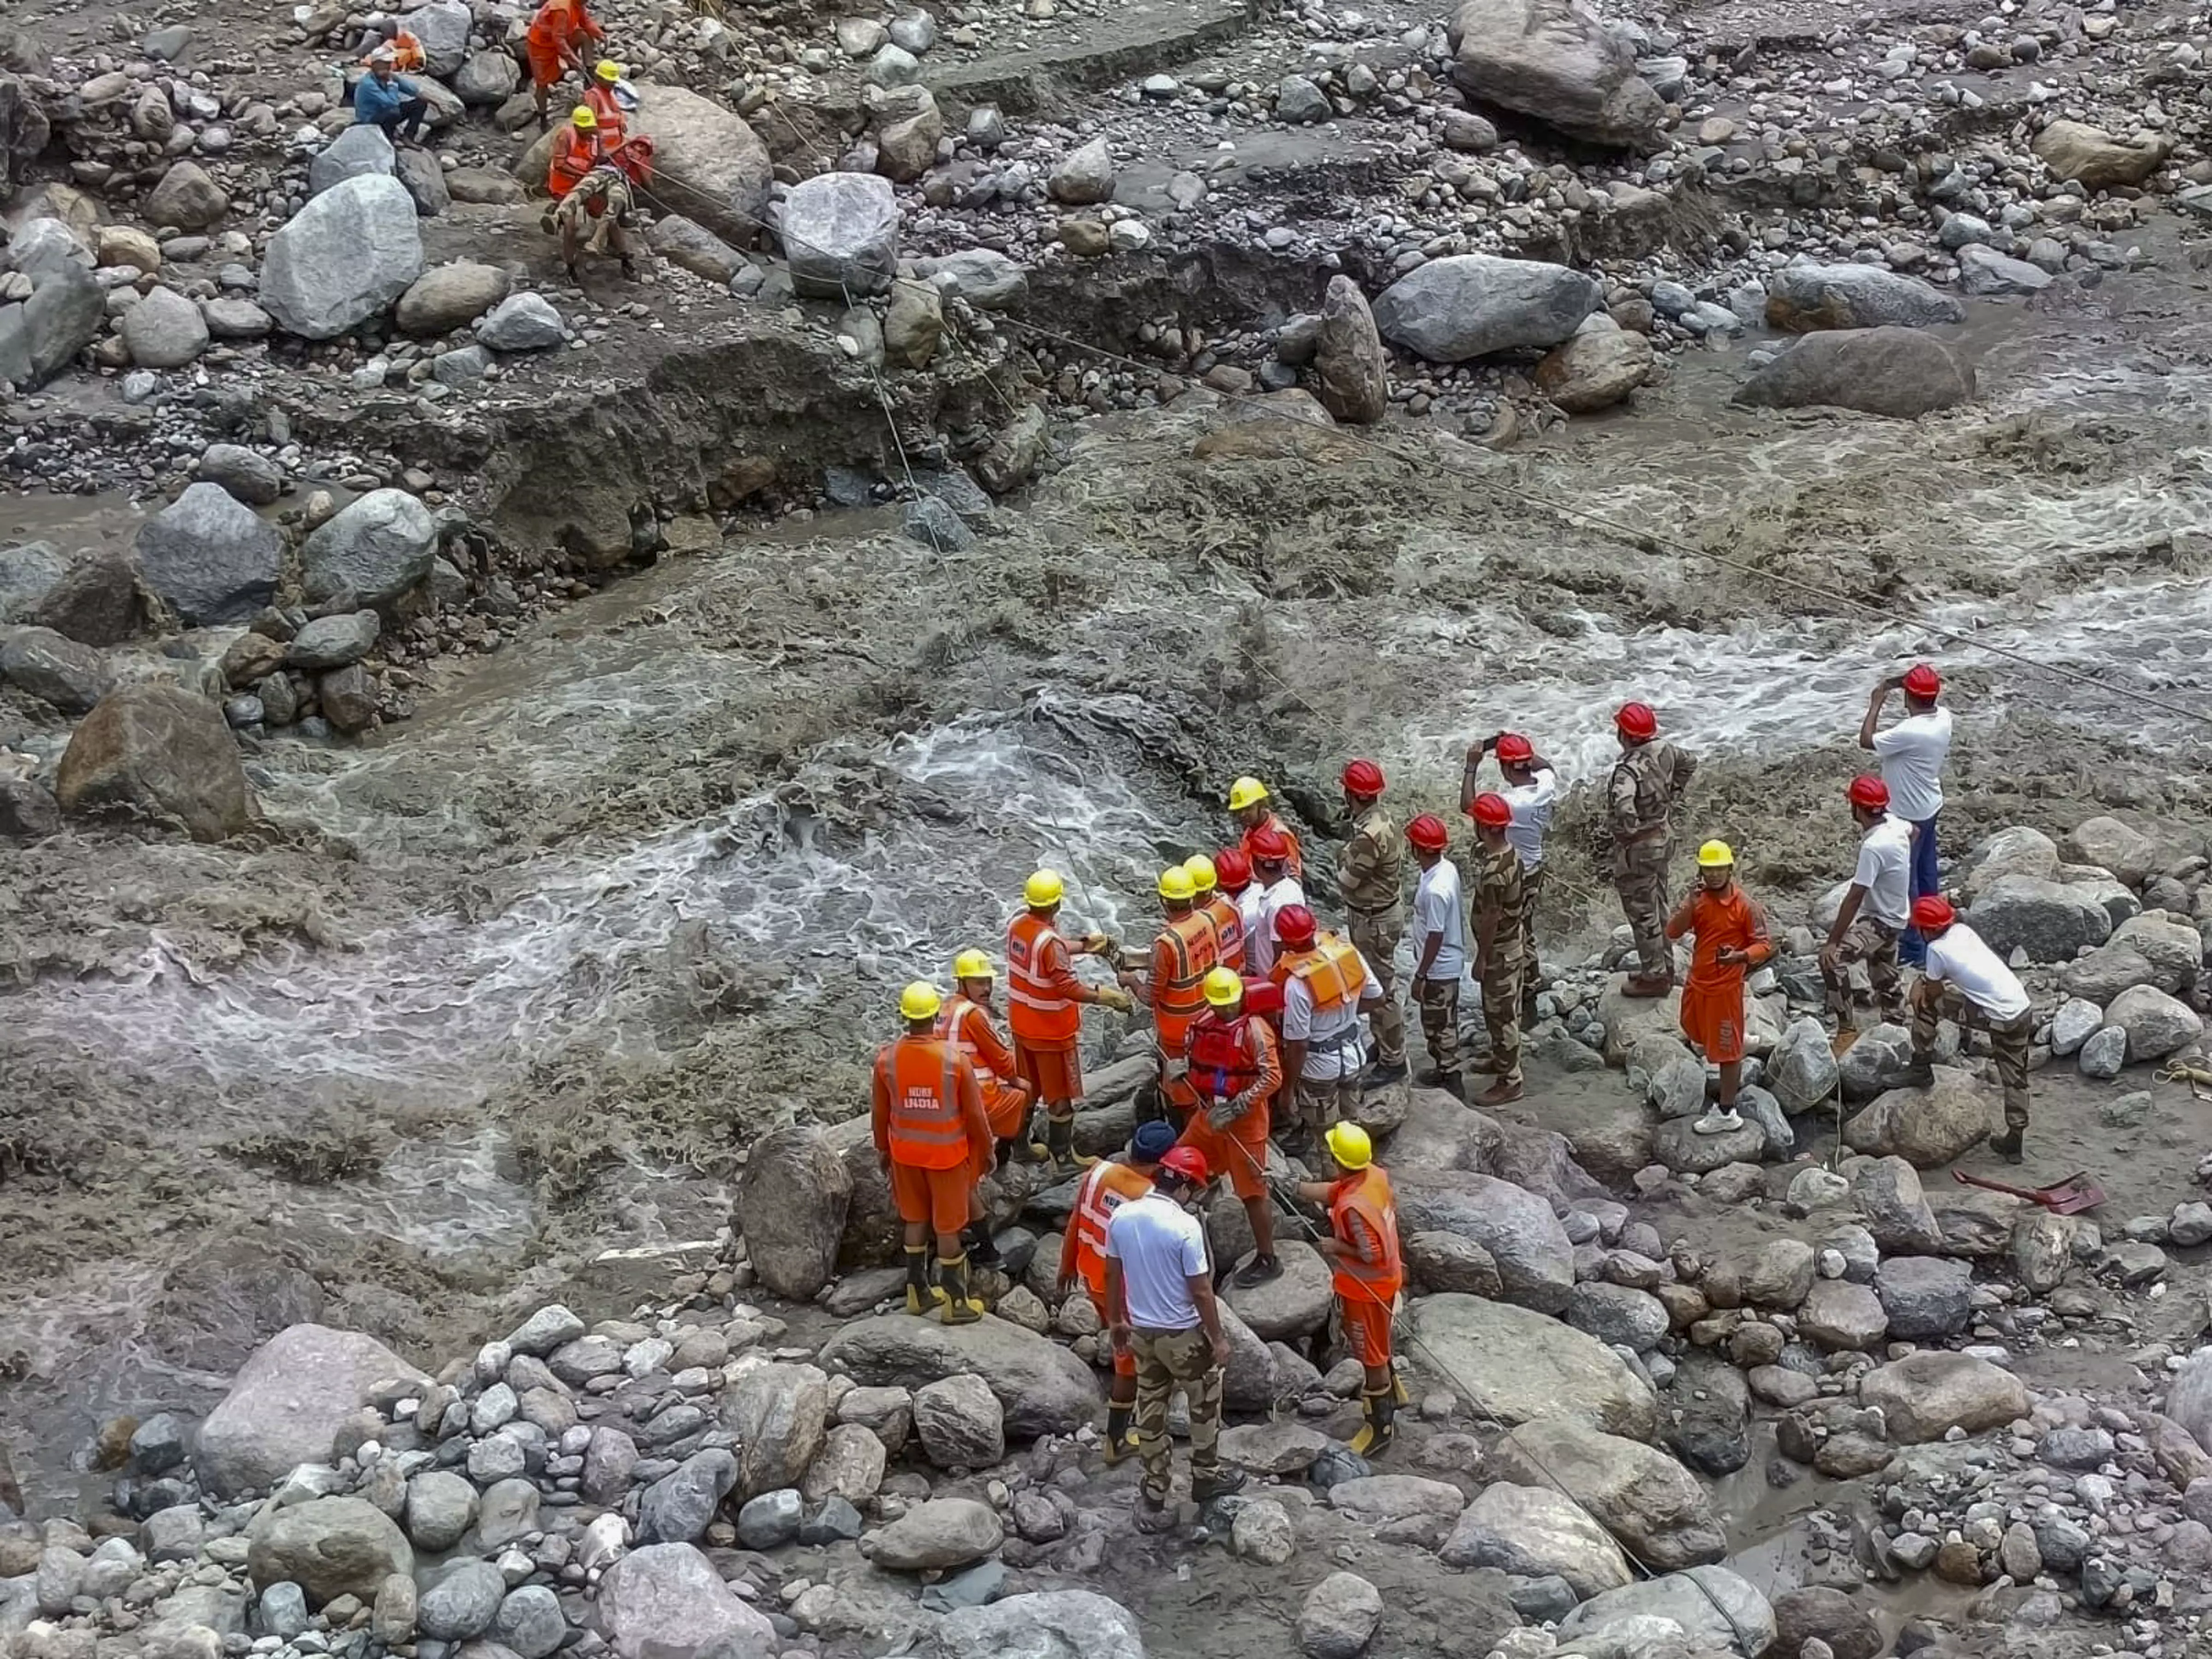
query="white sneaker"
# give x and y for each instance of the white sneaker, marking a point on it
(1717, 1123)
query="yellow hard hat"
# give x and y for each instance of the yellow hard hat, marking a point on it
(1176, 884)
(1043, 888)
(1204, 878)
(1349, 1146)
(919, 1000)
(583, 117)
(609, 70)
(1246, 791)
(972, 964)
(1222, 987)
(1716, 855)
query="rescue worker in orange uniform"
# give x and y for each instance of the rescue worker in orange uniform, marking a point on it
(1327, 985)
(1368, 1273)
(1220, 910)
(599, 99)
(1236, 1069)
(934, 1143)
(575, 153)
(967, 1021)
(1731, 943)
(554, 44)
(384, 35)
(1107, 1185)
(1185, 950)
(1253, 809)
(1044, 1009)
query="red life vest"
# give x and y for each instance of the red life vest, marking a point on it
(1221, 1061)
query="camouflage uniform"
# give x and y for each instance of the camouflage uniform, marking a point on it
(1438, 1000)
(1646, 784)
(1166, 1361)
(2009, 1041)
(1371, 871)
(1869, 941)
(1501, 897)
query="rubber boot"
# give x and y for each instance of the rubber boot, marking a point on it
(1376, 1435)
(1120, 1438)
(1648, 985)
(1918, 1073)
(983, 1249)
(1400, 1394)
(1219, 1483)
(1059, 1145)
(1260, 1270)
(960, 1306)
(1381, 1075)
(2007, 1145)
(921, 1294)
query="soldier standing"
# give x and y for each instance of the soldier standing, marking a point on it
(1369, 870)
(1500, 897)
(1647, 783)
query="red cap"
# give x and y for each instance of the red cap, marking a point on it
(1869, 790)
(1637, 721)
(1490, 812)
(1187, 1162)
(1514, 749)
(1933, 914)
(1294, 926)
(1267, 846)
(1428, 831)
(1231, 869)
(1921, 681)
(1363, 777)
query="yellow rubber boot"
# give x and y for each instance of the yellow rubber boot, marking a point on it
(921, 1294)
(957, 1306)
(1376, 1435)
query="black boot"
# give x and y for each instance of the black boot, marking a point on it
(1259, 1270)
(1383, 1074)
(1381, 1415)
(1204, 1489)
(983, 1249)
(1121, 1442)
(1060, 1146)
(2007, 1145)
(959, 1306)
(1919, 1073)
(921, 1294)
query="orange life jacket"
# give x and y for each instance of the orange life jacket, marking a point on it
(406, 52)
(922, 1077)
(1367, 1196)
(1222, 1063)
(557, 23)
(1188, 950)
(614, 119)
(1228, 930)
(575, 153)
(953, 1026)
(1106, 1188)
(1037, 965)
(1333, 971)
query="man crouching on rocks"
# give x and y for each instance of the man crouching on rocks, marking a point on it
(1159, 1286)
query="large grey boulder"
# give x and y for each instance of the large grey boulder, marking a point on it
(1535, 1261)
(1596, 368)
(376, 548)
(1084, 176)
(164, 329)
(960, 1423)
(41, 337)
(1647, 1500)
(209, 558)
(1802, 1070)
(1533, 1532)
(359, 151)
(983, 277)
(707, 158)
(1924, 1297)
(840, 234)
(1294, 1306)
(1924, 1395)
(1470, 305)
(2051, 920)
(291, 1397)
(343, 259)
(157, 752)
(2157, 1023)
(461, 1602)
(939, 1533)
(27, 574)
(1926, 1127)
(666, 1602)
(1720, 1612)
(1044, 1625)
(186, 199)
(2189, 1397)
(2109, 844)
(442, 26)
(679, 1506)
(1348, 357)
(790, 1206)
(1897, 372)
(1804, 295)
(2016, 851)
(487, 79)
(329, 1547)
(1043, 1388)
(55, 669)
(446, 296)
(1524, 1366)
(522, 322)
(1553, 60)
(1887, 1193)
(779, 1414)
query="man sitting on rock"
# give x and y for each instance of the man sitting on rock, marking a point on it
(1731, 941)
(1967, 983)
(388, 100)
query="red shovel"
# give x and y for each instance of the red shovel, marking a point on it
(2077, 1193)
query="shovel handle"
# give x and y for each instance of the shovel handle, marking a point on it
(1984, 1182)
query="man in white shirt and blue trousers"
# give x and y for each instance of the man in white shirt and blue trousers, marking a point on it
(1912, 753)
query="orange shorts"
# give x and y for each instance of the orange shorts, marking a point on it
(546, 65)
(1124, 1363)
(1365, 1321)
(935, 1198)
(1007, 1106)
(1056, 1074)
(1239, 1152)
(1712, 1019)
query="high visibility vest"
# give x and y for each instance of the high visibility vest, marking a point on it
(1037, 1010)
(1221, 1060)
(952, 1028)
(557, 23)
(1107, 1186)
(614, 119)
(1334, 973)
(1296, 862)
(1220, 910)
(1178, 998)
(575, 153)
(1368, 1196)
(922, 1077)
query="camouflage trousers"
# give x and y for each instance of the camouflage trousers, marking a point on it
(1532, 889)
(1376, 934)
(573, 212)
(1439, 1000)
(1869, 941)
(1501, 1011)
(2009, 1040)
(1323, 1102)
(1166, 1361)
(1639, 875)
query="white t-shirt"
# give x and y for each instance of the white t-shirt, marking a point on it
(1437, 909)
(1912, 752)
(1260, 934)
(1335, 1049)
(1885, 871)
(1532, 804)
(1248, 900)
(1961, 958)
(1160, 1245)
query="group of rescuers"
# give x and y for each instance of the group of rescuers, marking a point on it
(1252, 1002)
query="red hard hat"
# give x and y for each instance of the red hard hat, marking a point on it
(1231, 869)
(1294, 926)
(1428, 831)
(1869, 790)
(1933, 914)
(1514, 749)
(1188, 1162)
(1363, 777)
(1267, 846)
(1637, 721)
(1921, 681)
(1490, 812)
